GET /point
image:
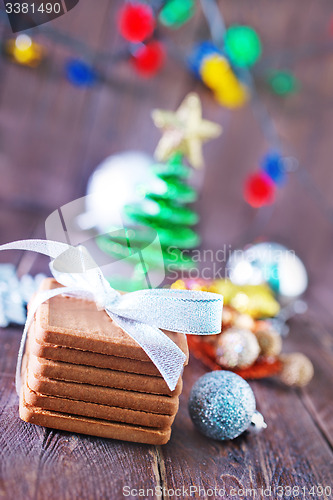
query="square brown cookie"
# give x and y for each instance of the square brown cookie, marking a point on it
(94, 410)
(58, 370)
(78, 357)
(92, 426)
(151, 403)
(77, 323)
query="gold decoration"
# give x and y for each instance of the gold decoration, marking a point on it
(237, 348)
(184, 131)
(255, 300)
(228, 317)
(244, 322)
(297, 369)
(270, 342)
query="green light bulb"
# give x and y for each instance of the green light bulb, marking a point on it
(242, 45)
(175, 13)
(282, 82)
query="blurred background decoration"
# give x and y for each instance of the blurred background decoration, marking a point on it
(156, 196)
(15, 294)
(77, 144)
(252, 83)
(228, 63)
(250, 342)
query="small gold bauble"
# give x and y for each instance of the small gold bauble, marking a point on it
(228, 317)
(237, 348)
(270, 342)
(244, 322)
(297, 369)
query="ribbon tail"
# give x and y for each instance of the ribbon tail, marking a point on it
(47, 247)
(164, 353)
(34, 305)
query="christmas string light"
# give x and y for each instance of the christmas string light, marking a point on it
(243, 45)
(80, 73)
(136, 22)
(175, 13)
(148, 58)
(231, 96)
(262, 189)
(217, 74)
(282, 82)
(24, 51)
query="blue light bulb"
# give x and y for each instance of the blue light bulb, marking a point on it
(201, 51)
(80, 73)
(272, 164)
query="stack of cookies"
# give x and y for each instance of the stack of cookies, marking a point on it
(82, 373)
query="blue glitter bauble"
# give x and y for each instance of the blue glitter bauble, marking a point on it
(221, 405)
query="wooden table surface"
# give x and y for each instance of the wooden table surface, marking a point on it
(52, 136)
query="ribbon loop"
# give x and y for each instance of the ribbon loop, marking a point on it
(184, 311)
(140, 314)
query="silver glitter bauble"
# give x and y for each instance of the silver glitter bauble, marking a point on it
(271, 263)
(222, 405)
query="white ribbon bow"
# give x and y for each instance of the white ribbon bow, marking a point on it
(141, 314)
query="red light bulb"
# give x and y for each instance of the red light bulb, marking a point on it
(149, 59)
(259, 190)
(136, 22)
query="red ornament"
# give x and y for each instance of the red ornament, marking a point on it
(136, 22)
(148, 59)
(259, 190)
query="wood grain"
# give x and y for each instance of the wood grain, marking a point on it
(53, 135)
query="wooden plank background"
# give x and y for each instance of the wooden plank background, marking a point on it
(53, 135)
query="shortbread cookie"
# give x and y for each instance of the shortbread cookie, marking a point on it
(96, 410)
(99, 376)
(77, 323)
(152, 403)
(92, 426)
(77, 357)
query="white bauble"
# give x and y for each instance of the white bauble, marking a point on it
(271, 263)
(113, 185)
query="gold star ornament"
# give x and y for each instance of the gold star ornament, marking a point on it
(184, 131)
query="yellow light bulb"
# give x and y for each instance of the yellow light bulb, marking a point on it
(214, 69)
(233, 96)
(24, 51)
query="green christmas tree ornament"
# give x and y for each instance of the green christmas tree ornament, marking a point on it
(243, 46)
(162, 210)
(174, 168)
(138, 242)
(175, 13)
